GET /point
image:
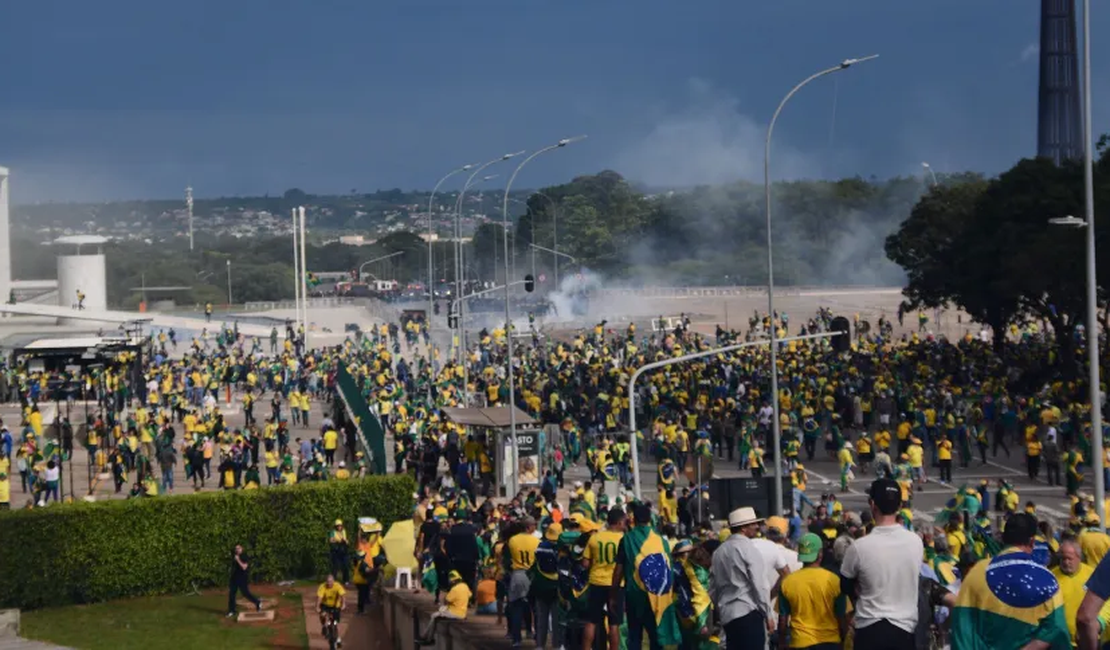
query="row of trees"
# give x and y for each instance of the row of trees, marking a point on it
(986, 246)
(826, 233)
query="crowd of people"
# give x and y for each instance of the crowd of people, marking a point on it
(898, 407)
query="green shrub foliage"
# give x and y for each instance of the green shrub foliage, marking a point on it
(89, 552)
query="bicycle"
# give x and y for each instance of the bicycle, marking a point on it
(331, 629)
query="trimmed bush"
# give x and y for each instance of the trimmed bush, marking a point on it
(89, 552)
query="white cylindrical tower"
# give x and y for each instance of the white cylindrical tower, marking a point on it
(82, 276)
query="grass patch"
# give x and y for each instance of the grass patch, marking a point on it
(170, 623)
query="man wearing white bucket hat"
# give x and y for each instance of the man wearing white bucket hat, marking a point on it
(738, 584)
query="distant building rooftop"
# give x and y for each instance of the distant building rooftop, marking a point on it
(81, 240)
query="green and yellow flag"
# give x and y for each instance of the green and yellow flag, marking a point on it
(691, 580)
(649, 582)
(1008, 602)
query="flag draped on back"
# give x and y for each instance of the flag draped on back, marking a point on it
(1007, 602)
(692, 598)
(582, 506)
(649, 582)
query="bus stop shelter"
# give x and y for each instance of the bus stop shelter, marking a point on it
(495, 420)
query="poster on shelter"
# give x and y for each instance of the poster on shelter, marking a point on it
(529, 471)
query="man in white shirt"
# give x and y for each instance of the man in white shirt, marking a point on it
(738, 584)
(778, 562)
(884, 566)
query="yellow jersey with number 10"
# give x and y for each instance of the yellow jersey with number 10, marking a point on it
(602, 554)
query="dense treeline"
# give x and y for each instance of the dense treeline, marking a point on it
(826, 232)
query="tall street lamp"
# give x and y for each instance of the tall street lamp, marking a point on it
(1093, 378)
(847, 63)
(431, 236)
(508, 322)
(1092, 287)
(459, 267)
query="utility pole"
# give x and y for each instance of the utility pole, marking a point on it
(189, 207)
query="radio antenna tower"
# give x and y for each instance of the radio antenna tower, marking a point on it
(189, 207)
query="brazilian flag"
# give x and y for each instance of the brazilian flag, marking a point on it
(582, 506)
(311, 279)
(667, 473)
(609, 469)
(692, 599)
(947, 569)
(649, 580)
(1010, 601)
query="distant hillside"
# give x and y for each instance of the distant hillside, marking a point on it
(374, 214)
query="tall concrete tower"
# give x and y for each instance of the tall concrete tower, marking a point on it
(1059, 122)
(5, 248)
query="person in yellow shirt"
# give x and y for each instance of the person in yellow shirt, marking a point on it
(600, 557)
(331, 443)
(342, 474)
(882, 440)
(457, 601)
(522, 556)
(1093, 542)
(5, 492)
(866, 456)
(944, 456)
(811, 605)
(1072, 575)
(1033, 455)
(329, 602)
(903, 434)
(916, 455)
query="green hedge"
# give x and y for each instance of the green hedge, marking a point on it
(89, 552)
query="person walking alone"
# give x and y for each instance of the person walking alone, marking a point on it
(240, 581)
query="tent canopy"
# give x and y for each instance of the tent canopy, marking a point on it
(493, 418)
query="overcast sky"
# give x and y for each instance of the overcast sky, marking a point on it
(136, 99)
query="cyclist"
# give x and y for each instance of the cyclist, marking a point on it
(329, 600)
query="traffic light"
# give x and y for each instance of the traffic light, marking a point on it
(453, 321)
(529, 283)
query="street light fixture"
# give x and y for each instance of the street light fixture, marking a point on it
(844, 65)
(431, 236)
(459, 268)
(573, 259)
(377, 259)
(1070, 221)
(932, 173)
(508, 320)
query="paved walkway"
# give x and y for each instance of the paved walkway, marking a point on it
(17, 643)
(365, 632)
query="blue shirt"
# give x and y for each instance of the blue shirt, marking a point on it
(1099, 582)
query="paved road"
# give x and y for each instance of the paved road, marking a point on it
(824, 473)
(103, 486)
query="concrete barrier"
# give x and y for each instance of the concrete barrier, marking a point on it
(474, 633)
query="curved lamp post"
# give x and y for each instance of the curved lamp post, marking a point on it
(844, 65)
(508, 322)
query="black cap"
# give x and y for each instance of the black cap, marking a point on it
(1020, 529)
(886, 495)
